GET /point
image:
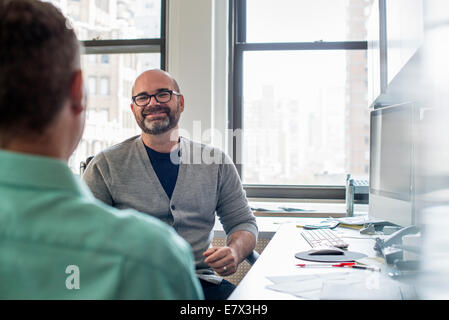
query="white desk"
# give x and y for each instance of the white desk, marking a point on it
(278, 259)
(269, 224)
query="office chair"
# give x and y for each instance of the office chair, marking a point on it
(248, 262)
(252, 257)
(83, 164)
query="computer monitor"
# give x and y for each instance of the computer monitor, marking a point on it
(391, 195)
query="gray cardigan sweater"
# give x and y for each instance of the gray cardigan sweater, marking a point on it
(122, 176)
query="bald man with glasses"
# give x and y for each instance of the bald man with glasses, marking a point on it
(168, 176)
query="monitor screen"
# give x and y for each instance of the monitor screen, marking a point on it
(391, 164)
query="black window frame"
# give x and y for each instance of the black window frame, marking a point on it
(130, 46)
(237, 47)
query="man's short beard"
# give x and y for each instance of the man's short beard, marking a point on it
(159, 126)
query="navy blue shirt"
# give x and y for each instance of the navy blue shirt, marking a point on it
(166, 166)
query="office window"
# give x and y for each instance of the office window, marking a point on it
(121, 39)
(114, 19)
(304, 20)
(109, 118)
(299, 91)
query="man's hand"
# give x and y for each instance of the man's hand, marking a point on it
(223, 260)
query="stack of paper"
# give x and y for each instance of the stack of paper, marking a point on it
(305, 286)
(352, 222)
(354, 285)
(374, 287)
(357, 222)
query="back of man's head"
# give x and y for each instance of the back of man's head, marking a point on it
(39, 54)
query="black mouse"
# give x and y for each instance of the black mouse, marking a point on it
(325, 251)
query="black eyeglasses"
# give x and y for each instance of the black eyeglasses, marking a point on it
(144, 99)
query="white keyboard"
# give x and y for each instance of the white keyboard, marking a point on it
(323, 238)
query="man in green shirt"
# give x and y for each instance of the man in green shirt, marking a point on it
(56, 240)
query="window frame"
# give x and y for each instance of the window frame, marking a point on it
(237, 47)
(123, 46)
(129, 46)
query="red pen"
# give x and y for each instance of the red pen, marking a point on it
(339, 265)
(326, 265)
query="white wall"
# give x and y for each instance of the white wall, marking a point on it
(197, 57)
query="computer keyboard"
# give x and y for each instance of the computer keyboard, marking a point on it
(323, 238)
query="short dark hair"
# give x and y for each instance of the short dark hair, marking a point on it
(39, 53)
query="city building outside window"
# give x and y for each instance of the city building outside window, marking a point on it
(299, 91)
(92, 85)
(105, 58)
(121, 39)
(104, 86)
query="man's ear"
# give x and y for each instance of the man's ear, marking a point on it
(181, 102)
(77, 92)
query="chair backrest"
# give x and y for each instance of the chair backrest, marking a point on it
(83, 164)
(252, 257)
